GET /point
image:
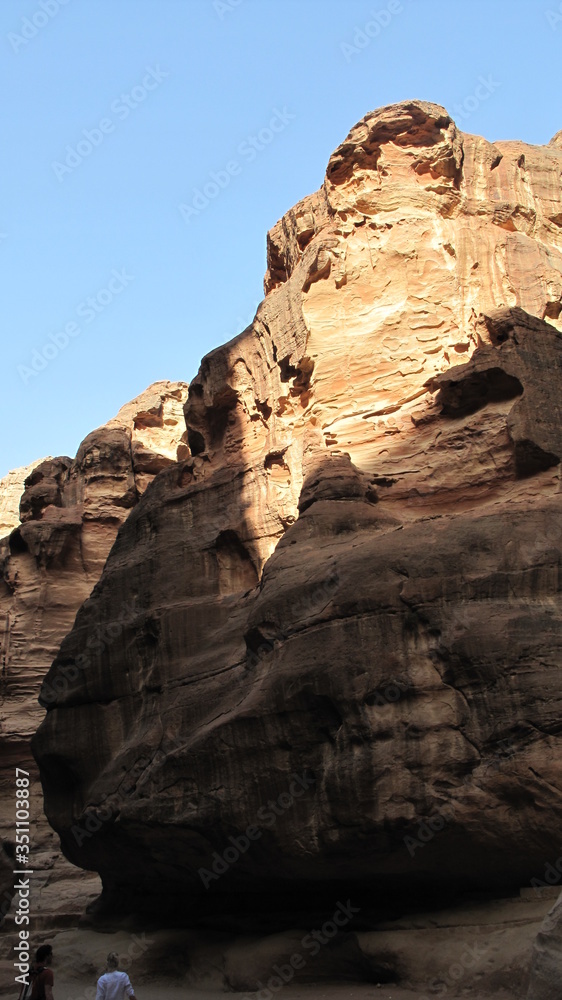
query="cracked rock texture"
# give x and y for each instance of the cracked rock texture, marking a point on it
(354, 578)
(70, 512)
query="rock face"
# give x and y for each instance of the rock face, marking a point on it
(547, 955)
(328, 642)
(11, 489)
(70, 513)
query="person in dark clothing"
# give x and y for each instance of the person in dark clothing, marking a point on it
(42, 976)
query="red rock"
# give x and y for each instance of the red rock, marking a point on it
(70, 512)
(355, 576)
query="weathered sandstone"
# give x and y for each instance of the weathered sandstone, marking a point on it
(546, 967)
(354, 578)
(11, 489)
(70, 513)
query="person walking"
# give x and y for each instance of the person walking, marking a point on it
(42, 979)
(113, 984)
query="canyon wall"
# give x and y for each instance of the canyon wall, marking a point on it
(70, 511)
(335, 626)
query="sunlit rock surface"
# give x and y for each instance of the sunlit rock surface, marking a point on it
(353, 581)
(11, 489)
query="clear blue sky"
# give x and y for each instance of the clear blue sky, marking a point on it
(219, 71)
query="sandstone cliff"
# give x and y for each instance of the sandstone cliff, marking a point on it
(11, 489)
(70, 512)
(337, 622)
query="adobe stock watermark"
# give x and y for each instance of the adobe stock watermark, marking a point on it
(225, 7)
(451, 977)
(505, 750)
(102, 636)
(554, 18)
(486, 87)
(31, 26)
(389, 694)
(121, 107)
(311, 943)
(247, 151)
(268, 816)
(427, 829)
(552, 876)
(434, 824)
(96, 817)
(137, 948)
(318, 594)
(242, 323)
(88, 310)
(363, 36)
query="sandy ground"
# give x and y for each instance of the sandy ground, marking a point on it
(351, 991)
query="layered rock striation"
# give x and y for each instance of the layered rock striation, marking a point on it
(331, 635)
(70, 511)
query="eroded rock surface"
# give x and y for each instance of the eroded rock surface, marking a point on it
(70, 513)
(11, 489)
(546, 967)
(353, 582)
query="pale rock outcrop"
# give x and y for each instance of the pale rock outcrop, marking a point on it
(11, 489)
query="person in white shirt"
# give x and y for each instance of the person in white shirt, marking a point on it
(114, 985)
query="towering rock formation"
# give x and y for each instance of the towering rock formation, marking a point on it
(70, 511)
(327, 643)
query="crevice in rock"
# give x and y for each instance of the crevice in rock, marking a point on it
(196, 442)
(462, 397)
(264, 408)
(383, 481)
(258, 644)
(218, 415)
(17, 542)
(236, 569)
(275, 458)
(288, 371)
(323, 713)
(530, 459)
